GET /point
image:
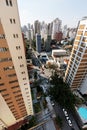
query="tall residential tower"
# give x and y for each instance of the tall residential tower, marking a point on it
(15, 95)
(76, 73)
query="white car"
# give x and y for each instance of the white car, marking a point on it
(69, 122)
(65, 112)
(67, 118)
(63, 109)
(52, 103)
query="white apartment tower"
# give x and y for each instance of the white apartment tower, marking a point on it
(76, 73)
(15, 95)
(56, 27)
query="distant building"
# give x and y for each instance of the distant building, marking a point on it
(58, 36)
(56, 27)
(49, 29)
(58, 53)
(37, 27)
(38, 43)
(64, 31)
(48, 43)
(43, 30)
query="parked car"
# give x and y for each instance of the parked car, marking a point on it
(69, 122)
(52, 103)
(65, 112)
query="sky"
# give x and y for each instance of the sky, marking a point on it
(69, 11)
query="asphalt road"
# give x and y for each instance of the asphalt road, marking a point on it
(59, 111)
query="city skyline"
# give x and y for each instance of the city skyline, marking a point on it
(68, 11)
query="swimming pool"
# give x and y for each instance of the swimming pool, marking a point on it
(82, 112)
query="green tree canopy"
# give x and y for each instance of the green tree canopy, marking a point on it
(60, 92)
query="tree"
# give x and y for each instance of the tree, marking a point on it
(59, 121)
(32, 122)
(35, 75)
(60, 92)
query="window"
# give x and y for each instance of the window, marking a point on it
(15, 35)
(3, 90)
(17, 91)
(21, 105)
(18, 47)
(7, 2)
(19, 57)
(20, 99)
(23, 72)
(10, 2)
(7, 99)
(25, 83)
(3, 49)
(18, 96)
(1, 84)
(2, 36)
(9, 102)
(15, 87)
(11, 75)
(13, 81)
(22, 65)
(8, 68)
(26, 88)
(24, 78)
(10, 20)
(11, 106)
(5, 95)
(14, 20)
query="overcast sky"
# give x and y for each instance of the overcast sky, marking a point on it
(69, 11)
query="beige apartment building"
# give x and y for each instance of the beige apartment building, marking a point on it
(15, 94)
(76, 73)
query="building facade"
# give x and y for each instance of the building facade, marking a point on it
(38, 43)
(48, 43)
(15, 95)
(58, 36)
(37, 27)
(76, 73)
(56, 27)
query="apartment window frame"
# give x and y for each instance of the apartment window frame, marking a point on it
(14, 87)
(7, 3)
(10, 2)
(2, 36)
(23, 72)
(11, 75)
(3, 90)
(13, 81)
(11, 20)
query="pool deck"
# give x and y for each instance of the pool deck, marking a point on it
(84, 121)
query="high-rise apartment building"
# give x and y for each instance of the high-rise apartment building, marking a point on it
(38, 43)
(56, 27)
(76, 73)
(15, 95)
(36, 27)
